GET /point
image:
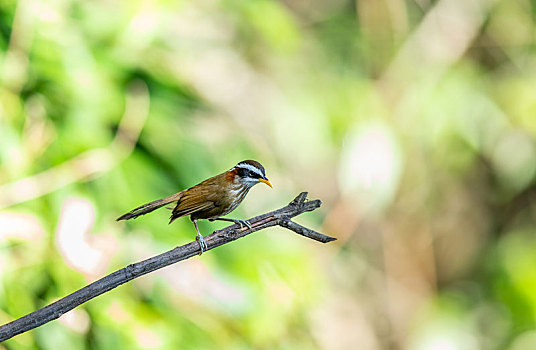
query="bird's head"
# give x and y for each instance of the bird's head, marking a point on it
(249, 173)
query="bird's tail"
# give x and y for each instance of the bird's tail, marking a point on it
(149, 207)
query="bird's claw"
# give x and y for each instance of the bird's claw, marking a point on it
(243, 222)
(202, 244)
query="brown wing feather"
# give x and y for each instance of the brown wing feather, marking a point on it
(177, 213)
(201, 201)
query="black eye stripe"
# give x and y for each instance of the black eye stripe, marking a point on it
(243, 172)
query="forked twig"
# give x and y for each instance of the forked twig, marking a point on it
(281, 217)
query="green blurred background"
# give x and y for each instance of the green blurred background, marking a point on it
(414, 121)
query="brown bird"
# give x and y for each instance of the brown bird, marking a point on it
(212, 198)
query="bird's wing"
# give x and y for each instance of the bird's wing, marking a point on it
(204, 197)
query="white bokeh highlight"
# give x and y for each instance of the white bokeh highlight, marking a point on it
(83, 252)
(370, 165)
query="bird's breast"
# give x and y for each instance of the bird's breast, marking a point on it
(234, 197)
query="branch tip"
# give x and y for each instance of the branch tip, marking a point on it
(306, 232)
(312, 205)
(300, 199)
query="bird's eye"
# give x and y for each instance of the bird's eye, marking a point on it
(248, 173)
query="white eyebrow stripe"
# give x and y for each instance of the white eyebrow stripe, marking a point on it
(250, 167)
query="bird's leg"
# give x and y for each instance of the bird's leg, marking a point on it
(236, 221)
(200, 240)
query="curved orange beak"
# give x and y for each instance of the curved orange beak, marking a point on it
(266, 182)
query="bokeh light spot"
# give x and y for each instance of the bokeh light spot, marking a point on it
(371, 165)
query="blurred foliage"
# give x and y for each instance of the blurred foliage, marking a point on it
(414, 122)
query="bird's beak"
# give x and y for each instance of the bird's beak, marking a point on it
(266, 182)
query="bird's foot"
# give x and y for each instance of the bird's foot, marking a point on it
(202, 243)
(243, 223)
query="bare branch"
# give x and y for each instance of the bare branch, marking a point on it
(279, 217)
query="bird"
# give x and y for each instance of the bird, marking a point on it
(211, 199)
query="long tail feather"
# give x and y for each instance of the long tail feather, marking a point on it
(149, 207)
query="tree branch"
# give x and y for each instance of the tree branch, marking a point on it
(280, 217)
